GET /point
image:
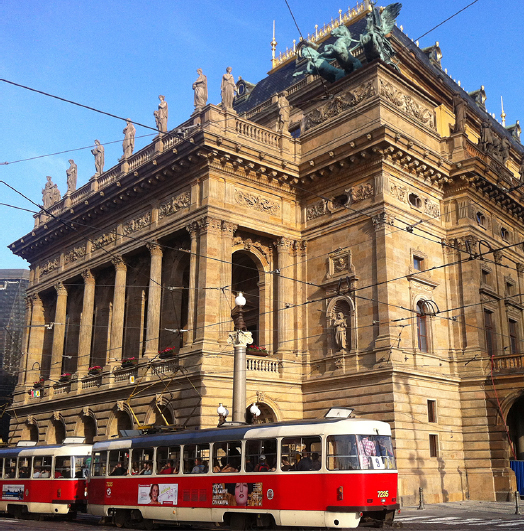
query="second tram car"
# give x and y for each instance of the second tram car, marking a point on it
(44, 479)
(326, 473)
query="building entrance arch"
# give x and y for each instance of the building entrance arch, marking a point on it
(515, 421)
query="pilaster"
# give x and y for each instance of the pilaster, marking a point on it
(228, 231)
(285, 248)
(86, 323)
(58, 331)
(119, 303)
(189, 338)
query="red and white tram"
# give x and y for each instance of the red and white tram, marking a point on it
(326, 473)
(44, 479)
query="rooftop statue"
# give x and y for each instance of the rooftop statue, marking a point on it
(129, 139)
(228, 89)
(200, 88)
(283, 112)
(459, 108)
(72, 173)
(316, 64)
(161, 115)
(374, 41)
(50, 193)
(521, 171)
(98, 152)
(340, 50)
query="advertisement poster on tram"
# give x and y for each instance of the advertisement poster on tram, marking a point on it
(158, 494)
(237, 494)
(12, 492)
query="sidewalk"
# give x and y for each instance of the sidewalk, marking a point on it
(465, 507)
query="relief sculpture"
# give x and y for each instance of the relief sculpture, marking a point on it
(103, 240)
(75, 254)
(316, 210)
(174, 205)
(257, 202)
(137, 223)
(359, 193)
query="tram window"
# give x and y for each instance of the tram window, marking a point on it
(196, 458)
(42, 466)
(255, 449)
(342, 453)
(82, 466)
(99, 463)
(301, 453)
(118, 462)
(1, 467)
(63, 467)
(10, 467)
(375, 452)
(24, 467)
(227, 457)
(142, 460)
(168, 459)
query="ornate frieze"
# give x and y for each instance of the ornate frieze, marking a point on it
(49, 266)
(359, 193)
(431, 208)
(75, 254)
(315, 210)
(256, 201)
(407, 104)
(173, 205)
(399, 192)
(103, 240)
(344, 101)
(136, 224)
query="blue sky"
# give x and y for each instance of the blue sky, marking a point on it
(119, 56)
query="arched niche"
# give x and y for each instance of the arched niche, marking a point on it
(341, 325)
(56, 430)
(160, 413)
(87, 426)
(515, 422)
(121, 419)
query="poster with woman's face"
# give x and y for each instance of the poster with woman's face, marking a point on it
(158, 494)
(237, 494)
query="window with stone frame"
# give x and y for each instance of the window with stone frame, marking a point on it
(489, 331)
(418, 263)
(504, 233)
(481, 219)
(433, 445)
(422, 327)
(513, 336)
(485, 277)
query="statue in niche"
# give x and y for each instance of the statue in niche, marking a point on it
(200, 88)
(340, 331)
(374, 41)
(340, 50)
(98, 152)
(128, 145)
(228, 89)
(283, 112)
(459, 108)
(161, 115)
(71, 173)
(486, 137)
(50, 193)
(316, 65)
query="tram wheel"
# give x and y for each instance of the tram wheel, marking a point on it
(122, 518)
(239, 522)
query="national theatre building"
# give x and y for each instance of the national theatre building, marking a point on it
(369, 210)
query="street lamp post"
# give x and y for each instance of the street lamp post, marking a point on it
(240, 339)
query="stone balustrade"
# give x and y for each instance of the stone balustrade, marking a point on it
(262, 364)
(514, 361)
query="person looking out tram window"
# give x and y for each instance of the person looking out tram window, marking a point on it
(366, 448)
(305, 463)
(315, 461)
(119, 470)
(45, 473)
(199, 467)
(37, 473)
(147, 470)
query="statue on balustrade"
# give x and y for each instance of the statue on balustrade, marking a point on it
(98, 152)
(129, 139)
(378, 24)
(50, 193)
(71, 173)
(228, 89)
(486, 137)
(283, 112)
(161, 115)
(200, 88)
(341, 50)
(459, 108)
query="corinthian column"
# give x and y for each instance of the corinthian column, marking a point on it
(154, 298)
(58, 331)
(22, 375)
(191, 309)
(285, 325)
(86, 323)
(224, 318)
(119, 305)
(36, 340)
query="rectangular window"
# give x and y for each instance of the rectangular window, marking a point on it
(509, 289)
(63, 467)
(513, 337)
(418, 263)
(118, 462)
(490, 331)
(432, 411)
(227, 457)
(255, 449)
(82, 465)
(10, 468)
(24, 467)
(168, 459)
(142, 460)
(1, 466)
(301, 453)
(99, 463)
(433, 445)
(196, 458)
(485, 277)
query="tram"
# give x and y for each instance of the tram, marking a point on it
(324, 473)
(44, 479)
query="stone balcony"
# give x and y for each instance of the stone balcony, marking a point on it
(511, 363)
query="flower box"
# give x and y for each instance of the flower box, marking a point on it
(39, 383)
(128, 363)
(65, 377)
(167, 353)
(94, 371)
(253, 350)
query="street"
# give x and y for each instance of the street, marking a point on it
(458, 516)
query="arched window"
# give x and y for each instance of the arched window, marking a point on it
(422, 329)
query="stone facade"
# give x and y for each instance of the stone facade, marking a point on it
(375, 210)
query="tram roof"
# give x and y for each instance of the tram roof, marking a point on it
(51, 449)
(251, 431)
